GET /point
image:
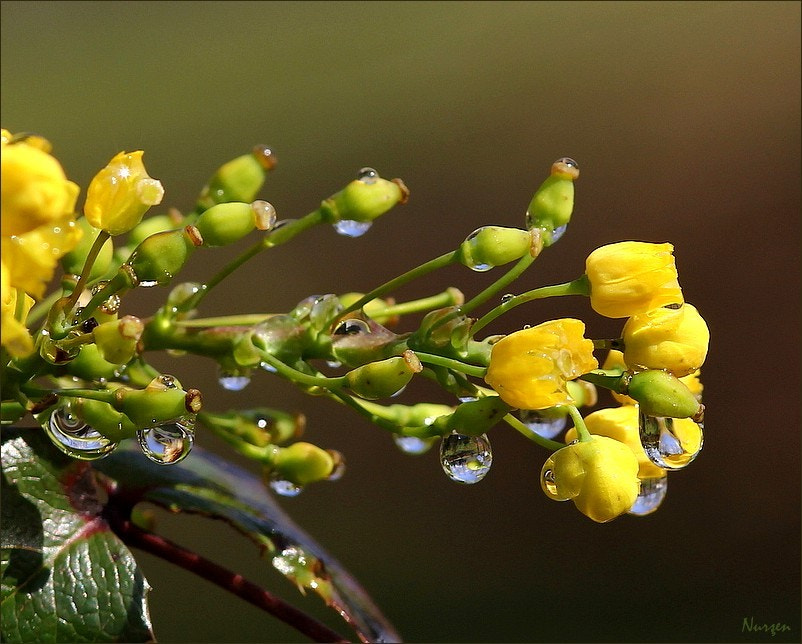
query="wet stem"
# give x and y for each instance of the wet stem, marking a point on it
(118, 514)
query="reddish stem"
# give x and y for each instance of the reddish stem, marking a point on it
(135, 536)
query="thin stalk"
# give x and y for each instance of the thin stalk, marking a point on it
(575, 287)
(450, 363)
(94, 251)
(516, 423)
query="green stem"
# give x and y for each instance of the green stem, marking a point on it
(93, 394)
(517, 424)
(102, 238)
(246, 319)
(273, 238)
(449, 297)
(300, 377)
(397, 282)
(614, 381)
(450, 363)
(506, 279)
(579, 423)
(42, 308)
(576, 287)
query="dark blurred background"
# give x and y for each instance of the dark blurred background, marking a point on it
(685, 120)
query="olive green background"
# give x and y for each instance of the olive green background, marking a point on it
(684, 118)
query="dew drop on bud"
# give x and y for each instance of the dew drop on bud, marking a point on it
(352, 228)
(465, 459)
(232, 381)
(558, 232)
(670, 443)
(75, 438)
(651, 495)
(283, 487)
(264, 214)
(545, 424)
(339, 465)
(411, 444)
(367, 176)
(168, 443)
(549, 483)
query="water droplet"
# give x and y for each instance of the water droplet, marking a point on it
(168, 443)
(549, 482)
(289, 560)
(264, 214)
(670, 443)
(351, 326)
(334, 364)
(465, 459)
(233, 381)
(467, 398)
(324, 309)
(367, 176)
(267, 367)
(339, 465)
(148, 283)
(283, 487)
(352, 228)
(506, 297)
(412, 444)
(558, 232)
(74, 437)
(543, 423)
(652, 493)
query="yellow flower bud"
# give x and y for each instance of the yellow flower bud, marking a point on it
(121, 193)
(672, 339)
(529, 368)
(35, 191)
(599, 475)
(621, 424)
(627, 278)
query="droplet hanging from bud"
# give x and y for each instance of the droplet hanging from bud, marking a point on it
(670, 443)
(74, 437)
(352, 228)
(466, 459)
(233, 381)
(651, 495)
(168, 443)
(412, 444)
(543, 423)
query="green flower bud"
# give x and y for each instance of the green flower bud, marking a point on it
(383, 378)
(107, 420)
(365, 198)
(238, 180)
(90, 365)
(660, 393)
(162, 400)
(553, 203)
(151, 226)
(357, 340)
(159, 257)
(492, 246)
(302, 463)
(73, 262)
(227, 223)
(116, 340)
(474, 417)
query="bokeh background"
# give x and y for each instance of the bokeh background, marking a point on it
(685, 120)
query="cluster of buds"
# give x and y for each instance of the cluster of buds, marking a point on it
(79, 365)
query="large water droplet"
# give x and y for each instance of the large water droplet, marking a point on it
(652, 493)
(670, 443)
(283, 487)
(232, 381)
(110, 305)
(74, 437)
(465, 459)
(543, 423)
(412, 444)
(352, 228)
(550, 484)
(367, 176)
(168, 443)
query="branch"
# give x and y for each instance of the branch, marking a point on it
(135, 536)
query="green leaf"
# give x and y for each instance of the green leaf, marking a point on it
(66, 577)
(209, 485)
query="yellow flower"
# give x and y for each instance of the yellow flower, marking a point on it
(692, 381)
(621, 424)
(31, 258)
(35, 190)
(632, 277)
(672, 339)
(121, 193)
(599, 475)
(14, 334)
(529, 368)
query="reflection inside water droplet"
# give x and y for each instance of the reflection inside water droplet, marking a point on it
(352, 228)
(544, 423)
(651, 495)
(412, 444)
(168, 443)
(233, 381)
(465, 459)
(74, 437)
(367, 176)
(283, 487)
(670, 443)
(558, 232)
